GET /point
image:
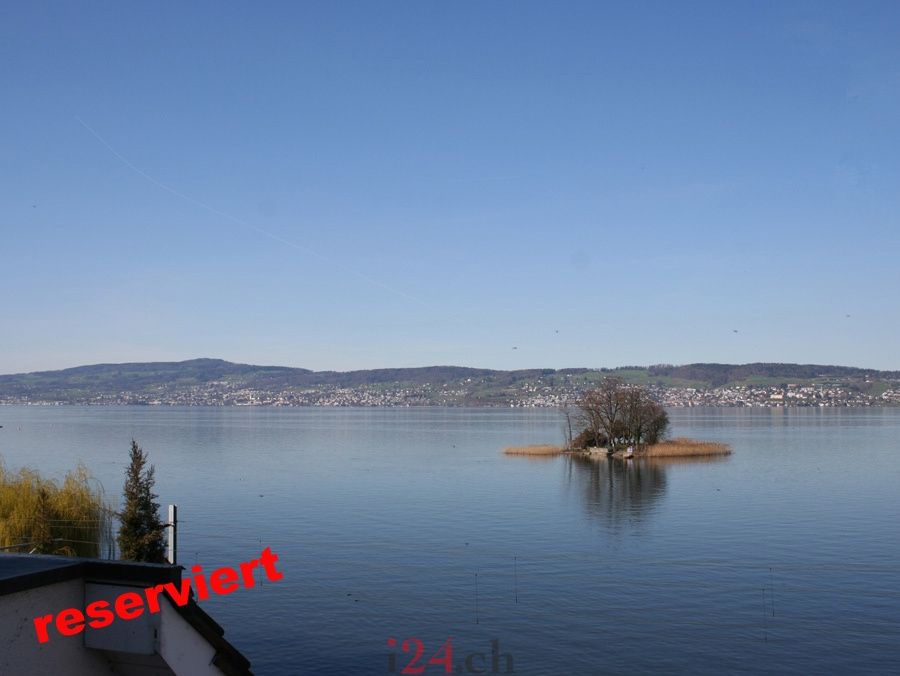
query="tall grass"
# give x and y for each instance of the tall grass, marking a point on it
(684, 447)
(537, 449)
(40, 516)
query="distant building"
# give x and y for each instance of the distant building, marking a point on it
(177, 640)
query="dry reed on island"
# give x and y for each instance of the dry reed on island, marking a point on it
(537, 449)
(683, 447)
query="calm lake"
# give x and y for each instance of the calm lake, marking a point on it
(410, 523)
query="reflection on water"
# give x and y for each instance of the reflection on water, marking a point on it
(616, 492)
(619, 492)
(686, 460)
(537, 459)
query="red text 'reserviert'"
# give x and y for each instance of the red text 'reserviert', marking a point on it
(130, 605)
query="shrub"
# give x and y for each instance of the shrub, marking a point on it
(39, 516)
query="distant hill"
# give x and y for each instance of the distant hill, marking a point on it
(136, 377)
(717, 375)
(218, 381)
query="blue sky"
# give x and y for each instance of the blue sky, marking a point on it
(360, 185)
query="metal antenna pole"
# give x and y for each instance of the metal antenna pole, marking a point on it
(172, 553)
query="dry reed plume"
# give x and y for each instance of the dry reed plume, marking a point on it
(684, 447)
(537, 449)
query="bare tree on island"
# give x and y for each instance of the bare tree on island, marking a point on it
(141, 534)
(617, 414)
(601, 412)
(645, 420)
(567, 426)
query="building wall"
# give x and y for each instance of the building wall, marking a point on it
(20, 651)
(182, 647)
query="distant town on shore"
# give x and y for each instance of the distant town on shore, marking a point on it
(214, 382)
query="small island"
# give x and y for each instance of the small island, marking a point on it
(621, 421)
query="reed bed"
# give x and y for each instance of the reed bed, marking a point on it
(40, 516)
(536, 449)
(683, 447)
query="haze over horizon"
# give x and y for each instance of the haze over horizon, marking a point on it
(499, 185)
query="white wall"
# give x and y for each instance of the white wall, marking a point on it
(182, 647)
(129, 636)
(20, 652)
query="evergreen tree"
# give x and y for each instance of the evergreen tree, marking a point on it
(141, 534)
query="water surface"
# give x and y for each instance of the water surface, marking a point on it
(782, 558)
